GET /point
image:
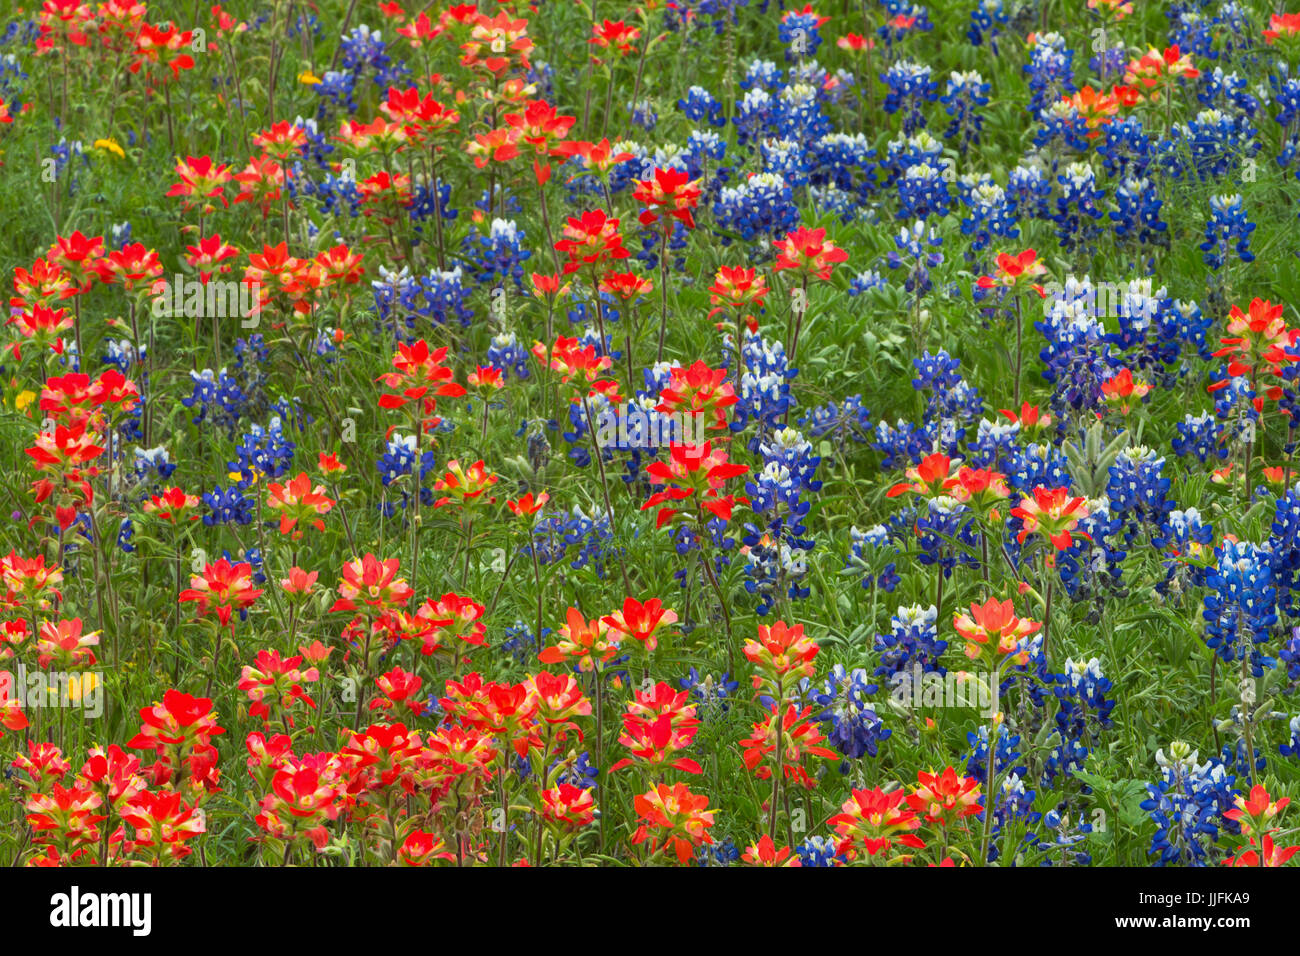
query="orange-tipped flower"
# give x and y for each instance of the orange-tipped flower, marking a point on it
(992, 630)
(1054, 513)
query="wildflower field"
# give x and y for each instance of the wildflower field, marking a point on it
(696, 433)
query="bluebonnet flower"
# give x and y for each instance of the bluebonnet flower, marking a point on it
(1109, 63)
(1292, 747)
(1214, 142)
(1137, 214)
(865, 282)
(521, 643)
(499, 255)
(125, 536)
(844, 161)
(558, 532)
(255, 561)
(337, 87)
(937, 374)
(1187, 805)
(251, 356)
(994, 444)
(643, 114)
(1226, 90)
(1066, 837)
(1241, 606)
(778, 550)
(336, 193)
(1062, 121)
(1065, 756)
(1236, 401)
(152, 462)
(119, 234)
(63, 153)
(843, 422)
(427, 202)
(122, 355)
(1050, 70)
(903, 443)
(831, 199)
(622, 176)
(1233, 753)
(1077, 208)
(1138, 488)
(987, 19)
(712, 695)
(1284, 547)
(819, 851)
(760, 207)
(904, 151)
(397, 462)
(940, 523)
(577, 771)
(1084, 709)
(910, 86)
(799, 30)
(923, 192)
(761, 74)
(444, 297)
(1006, 759)
(785, 157)
(1037, 464)
(700, 106)
(508, 356)
(1029, 191)
(1235, 33)
(1286, 97)
(1077, 355)
(852, 726)
(1093, 565)
(394, 290)
(702, 146)
(966, 95)
(764, 393)
(874, 552)
(991, 212)
(798, 113)
(913, 639)
(1145, 329)
(771, 564)
(722, 853)
(1191, 324)
(364, 51)
(12, 75)
(230, 506)
(501, 200)
(262, 453)
(911, 252)
(1227, 231)
(1188, 540)
(1014, 802)
(1125, 148)
(542, 74)
(1192, 30)
(217, 398)
(755, 115)
(902, 18)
